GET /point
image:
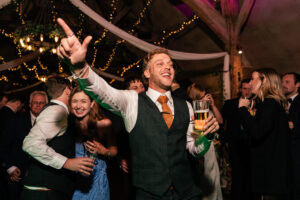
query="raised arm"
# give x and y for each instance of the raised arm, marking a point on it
(120, 101)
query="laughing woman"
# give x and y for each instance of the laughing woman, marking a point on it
(267, 126)
(93, 133)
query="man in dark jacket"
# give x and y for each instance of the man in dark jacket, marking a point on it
(239, 150)
(15, 161)
(291, 84)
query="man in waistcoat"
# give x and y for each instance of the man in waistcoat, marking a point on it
(51, 144)
(159, 125)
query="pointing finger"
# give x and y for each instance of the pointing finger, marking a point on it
(65, 27)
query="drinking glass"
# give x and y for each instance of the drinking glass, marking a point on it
(201, 112)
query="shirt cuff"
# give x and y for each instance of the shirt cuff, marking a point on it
(11, 169)
(90, 80)
(59, 161)
(81, 72)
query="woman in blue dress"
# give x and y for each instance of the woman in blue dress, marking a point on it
(94, 139)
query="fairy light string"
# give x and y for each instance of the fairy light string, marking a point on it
(174, 32)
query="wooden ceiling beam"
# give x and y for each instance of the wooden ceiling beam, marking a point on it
(210, 16)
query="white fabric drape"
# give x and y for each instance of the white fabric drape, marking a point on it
(4, 3)
(145, 46)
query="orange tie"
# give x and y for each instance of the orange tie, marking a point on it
(166, 111)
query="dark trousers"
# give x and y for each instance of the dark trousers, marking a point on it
(194, 194)
(270, 197)
(43, 195)
(3, 184)
(15, 189)
(295, 169)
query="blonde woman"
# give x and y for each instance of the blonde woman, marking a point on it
(268, 130)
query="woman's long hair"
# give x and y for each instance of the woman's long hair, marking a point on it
(95, 113)
(271, 87)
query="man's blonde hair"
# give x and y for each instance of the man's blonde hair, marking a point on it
(150, 55)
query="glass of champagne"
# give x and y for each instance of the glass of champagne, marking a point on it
(201, 112)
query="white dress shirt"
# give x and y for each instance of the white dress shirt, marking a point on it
(51, 122)
(125, 103)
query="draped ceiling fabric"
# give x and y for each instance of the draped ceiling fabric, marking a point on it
(145, 46)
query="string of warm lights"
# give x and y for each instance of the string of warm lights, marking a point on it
(43, 67)
(182, 27)
(3, 78)
(98, 41)
(60, 67)
(141, 16)
(53, 13)
(9, 35)
(81, 22)
(111, 56)
(19, 10)
(125, 69)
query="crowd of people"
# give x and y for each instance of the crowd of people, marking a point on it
(66, 148)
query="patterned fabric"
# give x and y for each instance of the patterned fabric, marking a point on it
(166, 111)
(94, 186)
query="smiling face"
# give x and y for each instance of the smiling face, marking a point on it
(81, 104)
(160, 72)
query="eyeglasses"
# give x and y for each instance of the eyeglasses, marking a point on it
(38, 103)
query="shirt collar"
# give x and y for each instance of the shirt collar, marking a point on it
(60, 103)
(294, 96)
(153, 95)
(33, 117)
(10, 108)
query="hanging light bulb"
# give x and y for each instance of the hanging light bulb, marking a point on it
(27, 39)
(41, 49)
(240, 52)
(43, 79)
(29, 47)
(22, 42)
(53, 50)
(41, 38)
(56, 38)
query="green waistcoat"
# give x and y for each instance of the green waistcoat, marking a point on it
(159, 155)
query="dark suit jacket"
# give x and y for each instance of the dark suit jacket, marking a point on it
(294, 116)
(270, 147)
(6, 114)
(11, 142)
(233, 133)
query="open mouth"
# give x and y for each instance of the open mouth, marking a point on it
(166, 75)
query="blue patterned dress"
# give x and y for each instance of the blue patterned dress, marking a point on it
(94, 186)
